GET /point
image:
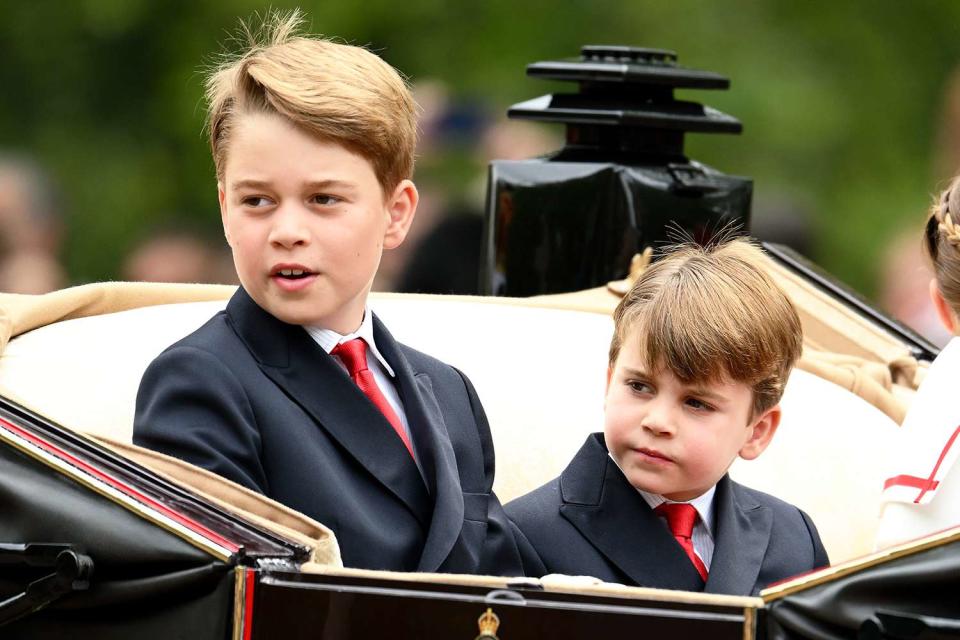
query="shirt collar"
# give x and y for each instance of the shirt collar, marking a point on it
(328, 339)
(702, 503)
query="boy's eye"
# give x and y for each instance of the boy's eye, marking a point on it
(325, 199)
(639, 386)
(254, 201)
(699, 405)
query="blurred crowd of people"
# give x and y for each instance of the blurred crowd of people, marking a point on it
(31, 228)
(33, 224)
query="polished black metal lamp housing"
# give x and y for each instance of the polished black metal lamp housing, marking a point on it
(573, 219)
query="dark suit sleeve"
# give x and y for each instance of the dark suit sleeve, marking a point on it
(820, 558)
(483, 431)
(533, 566)
(191, 406)
(503, 553)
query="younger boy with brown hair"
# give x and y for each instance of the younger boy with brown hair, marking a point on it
(703, 345)
(296, 390)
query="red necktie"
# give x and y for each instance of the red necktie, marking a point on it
(680, 519)
(353, 353)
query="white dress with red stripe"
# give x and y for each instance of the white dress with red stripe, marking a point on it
(922, 492)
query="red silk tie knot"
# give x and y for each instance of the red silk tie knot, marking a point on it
(353, 354)
(680, 519)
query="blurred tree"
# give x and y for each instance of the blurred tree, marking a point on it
(839, 101)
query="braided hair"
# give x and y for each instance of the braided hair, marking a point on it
(942, 243)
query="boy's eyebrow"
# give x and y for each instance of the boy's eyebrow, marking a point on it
(696, 389)
(249, 184)
(706, 394)
(329, 184)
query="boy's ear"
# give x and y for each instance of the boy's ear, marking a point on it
(761, 434)
(606, 389)
(401, 206)
(944, 312)
(222, 198)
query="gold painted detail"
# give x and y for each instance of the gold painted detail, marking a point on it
(749, 624)
(239, 598)
(489, 622)
(837, 571)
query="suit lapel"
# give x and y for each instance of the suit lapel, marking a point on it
(434, 450)
(741, 536)
(608, 511)
(311, 378)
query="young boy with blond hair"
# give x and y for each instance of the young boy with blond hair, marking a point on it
(296, 390)
(703, 344)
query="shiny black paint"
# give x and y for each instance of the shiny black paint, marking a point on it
(336, 608)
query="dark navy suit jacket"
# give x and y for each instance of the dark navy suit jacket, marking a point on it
(591, 521)
(257, 401)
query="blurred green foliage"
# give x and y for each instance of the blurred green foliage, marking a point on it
(840, 101)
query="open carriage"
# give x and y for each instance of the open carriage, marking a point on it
(102, 539)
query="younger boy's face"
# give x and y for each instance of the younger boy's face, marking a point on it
(307, 221)
(677, 439)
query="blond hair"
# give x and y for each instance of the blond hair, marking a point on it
(942, 243)
(336, 92)
(713, 313)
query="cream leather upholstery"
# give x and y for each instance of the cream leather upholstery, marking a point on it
(539, 372)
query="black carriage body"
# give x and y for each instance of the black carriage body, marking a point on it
(349, 608)
(163, 561)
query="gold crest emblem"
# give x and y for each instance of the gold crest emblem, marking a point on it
(488, 623)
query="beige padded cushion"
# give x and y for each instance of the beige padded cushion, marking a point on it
(20, 313)
(84, 373)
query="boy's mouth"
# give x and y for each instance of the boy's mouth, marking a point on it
(292, 277)
(291, 272)
(653, 455)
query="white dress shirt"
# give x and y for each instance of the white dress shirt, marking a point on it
(702, 537)
(382, 372)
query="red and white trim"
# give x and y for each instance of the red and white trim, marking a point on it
(924, 485)
(246, 581)
(117, 491)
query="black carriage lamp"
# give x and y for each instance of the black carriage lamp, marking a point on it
(573, 219)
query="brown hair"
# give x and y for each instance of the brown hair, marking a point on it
(336, 92)
(709, 313)
(942, 243)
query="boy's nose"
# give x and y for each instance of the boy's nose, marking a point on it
(289, 228)
(658, 419)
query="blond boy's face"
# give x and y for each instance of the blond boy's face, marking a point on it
(307, 221)
(677, 439)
